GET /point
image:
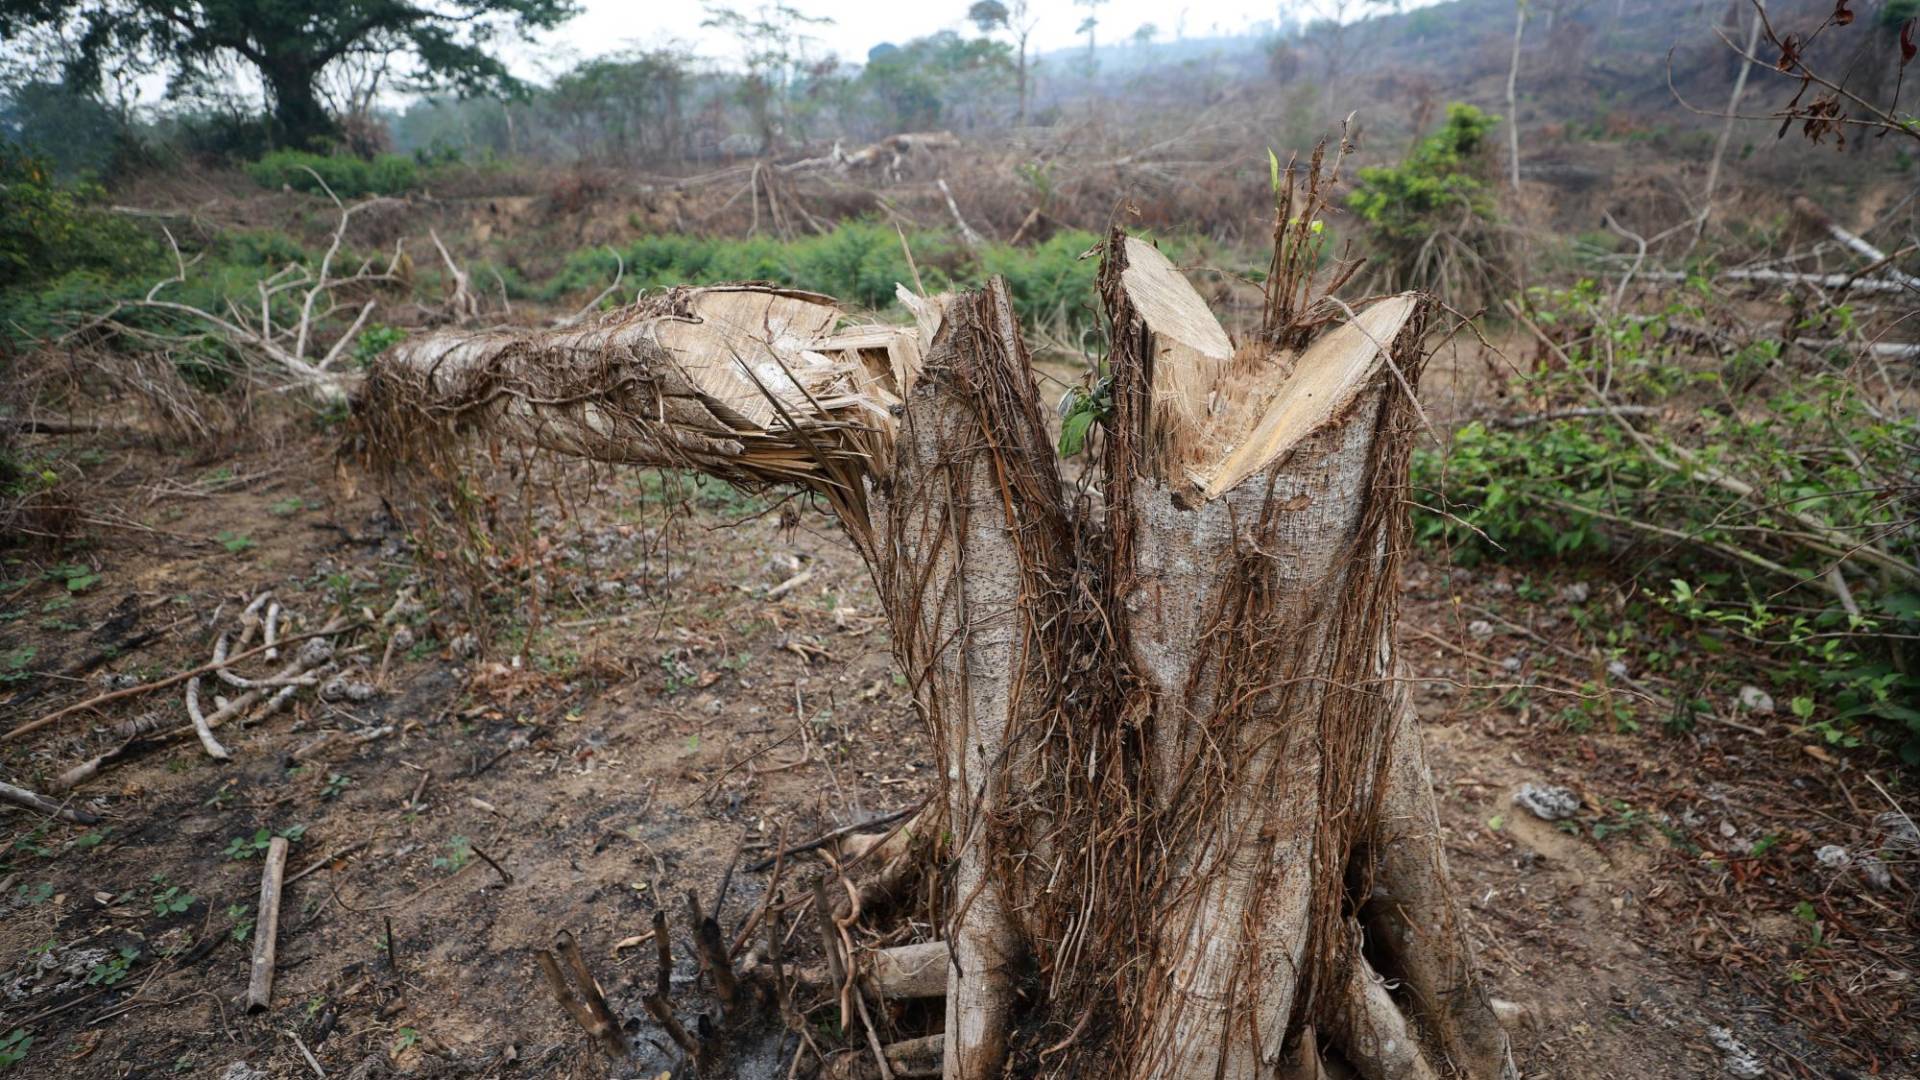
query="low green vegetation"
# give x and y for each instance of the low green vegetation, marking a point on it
(346, 176)
(859, 263)
(49, 229)
(1759, 500)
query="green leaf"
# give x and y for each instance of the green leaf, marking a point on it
(1073, 432)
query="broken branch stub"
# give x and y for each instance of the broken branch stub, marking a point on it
(752, 384)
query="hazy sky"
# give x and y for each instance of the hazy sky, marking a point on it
(608, 25)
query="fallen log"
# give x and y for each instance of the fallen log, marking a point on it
(906, 971)
(1880, 263)
(1848, 282)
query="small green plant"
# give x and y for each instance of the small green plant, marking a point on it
(13, 663)
(112, 970)
(1622, 819)
(1079, 411)
(1431, 216)
(13, 1047)
(408, 1038)
(241, 916)
(234, 542)
(336, 783)
(171, 899)
(373, 341)
(1816, 927)
(74, 577)
(246, 847)
(32, 895)
(459, 853)
(286, 507)
(90, 839)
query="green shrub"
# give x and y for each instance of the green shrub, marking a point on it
(1748, 573)
(346, 177)
(48, 229)
(1050, 282)
(858, 263)
(1432, 212)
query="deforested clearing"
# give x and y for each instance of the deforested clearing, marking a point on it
(1069, 546)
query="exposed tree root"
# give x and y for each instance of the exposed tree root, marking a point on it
(1415, 919)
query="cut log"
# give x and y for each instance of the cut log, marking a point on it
(906, 971)
(753, 384)
(1879, 263)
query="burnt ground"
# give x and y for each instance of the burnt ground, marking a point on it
(665, 715)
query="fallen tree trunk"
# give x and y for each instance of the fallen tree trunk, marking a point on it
(1848, 282)
(1180, 767)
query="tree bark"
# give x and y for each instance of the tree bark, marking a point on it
(302, 119)
(1180, 769)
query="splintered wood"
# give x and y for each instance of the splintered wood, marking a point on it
(1221, 414)
(746, 382)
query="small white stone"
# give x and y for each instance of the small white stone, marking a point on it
(1756, 701)
(1576, 593)
(1875, 872)
(1833, 857)
(1735, 1058)
(1617, 668)
(1548, 803)
(1480, 629)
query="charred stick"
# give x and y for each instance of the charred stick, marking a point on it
(505, 878)
(606, 1027)
(712, 954)
(656, 1002)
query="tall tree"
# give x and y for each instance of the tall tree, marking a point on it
(289, 42)
(989, 15)
(1090, 26)
(1182, 778)
(773, 46)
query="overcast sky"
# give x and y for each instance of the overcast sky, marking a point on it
(605, 26)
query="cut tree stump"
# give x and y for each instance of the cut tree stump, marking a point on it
(1181, 775)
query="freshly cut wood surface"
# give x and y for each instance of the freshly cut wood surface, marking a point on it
(1277, 404)
(1190, 348)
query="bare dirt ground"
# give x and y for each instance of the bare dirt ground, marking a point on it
(668, 715)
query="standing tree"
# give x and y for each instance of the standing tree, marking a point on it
(1187, 827)
(773, 46)
(987, 15)
(1513, 102)
(1089, 26)
(291, 44)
